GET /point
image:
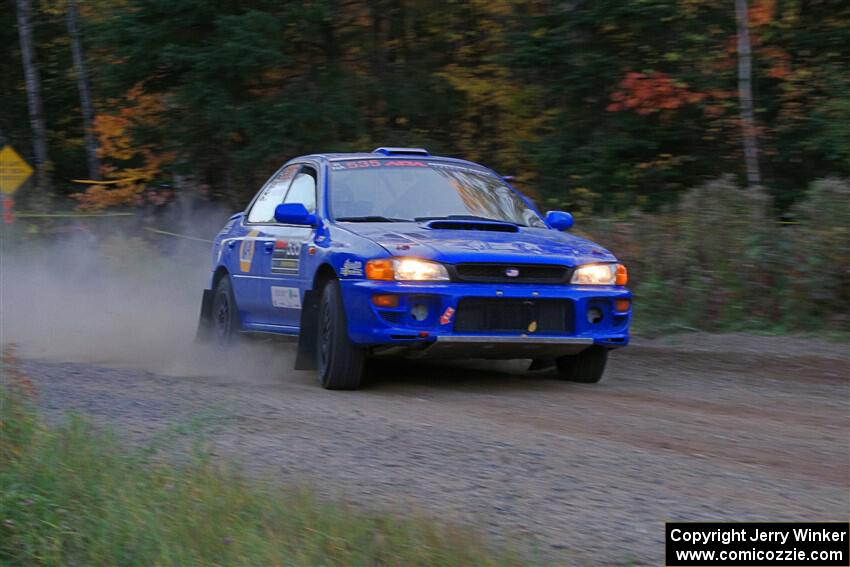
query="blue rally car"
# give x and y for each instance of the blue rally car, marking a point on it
(401, 253)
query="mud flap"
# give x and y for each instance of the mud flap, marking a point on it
(307, 337)
(205, 320)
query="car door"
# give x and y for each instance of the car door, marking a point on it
(257, 226)
(284, 276)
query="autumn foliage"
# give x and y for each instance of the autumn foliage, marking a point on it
(630, 103)
(128, 162)
(646, 93)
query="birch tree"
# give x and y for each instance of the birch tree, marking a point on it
(72, 19)
(36, 112)
(745, 93)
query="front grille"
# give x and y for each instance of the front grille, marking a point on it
(520, 273)
(484, 314)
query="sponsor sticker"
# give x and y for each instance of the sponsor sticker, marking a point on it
(447, 315)
(405, 163)
(286, 297)
(454, 166)
(246, 251)
(351, 268)
(361, 163)
(286, 258)
(287, 173)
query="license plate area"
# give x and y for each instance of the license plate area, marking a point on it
(514, 315)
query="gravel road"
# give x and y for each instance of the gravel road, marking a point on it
(693, 427)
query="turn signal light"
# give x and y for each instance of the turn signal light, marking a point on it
(622, 304)
(622, 275)
(380, 270)
(385, 300)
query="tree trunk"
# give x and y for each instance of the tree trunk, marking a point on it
(745, 93)
(73, 21)
(33, 84)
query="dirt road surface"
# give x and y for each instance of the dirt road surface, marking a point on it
(692, 427)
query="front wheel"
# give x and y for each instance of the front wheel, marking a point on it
(586, 366)
(340, 361)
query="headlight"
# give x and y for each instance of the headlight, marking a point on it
(600, 274)
(406, 269)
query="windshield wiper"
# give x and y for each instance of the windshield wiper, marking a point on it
(370, 218)
(466, 217)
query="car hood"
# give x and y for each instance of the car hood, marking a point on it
(528, 245)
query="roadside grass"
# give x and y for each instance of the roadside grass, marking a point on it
(74, 495)
(648, 322)
(717, 260)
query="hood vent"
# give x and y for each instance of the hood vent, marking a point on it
(471, 225)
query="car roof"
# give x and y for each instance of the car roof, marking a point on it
(331, 157)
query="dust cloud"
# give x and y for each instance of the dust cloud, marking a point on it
(121, 297)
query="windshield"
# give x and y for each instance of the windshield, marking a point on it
(384, 190)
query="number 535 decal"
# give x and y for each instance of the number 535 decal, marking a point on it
(286, 258)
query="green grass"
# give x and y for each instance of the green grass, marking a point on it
(73, 495)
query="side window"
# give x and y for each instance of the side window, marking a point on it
(271, 195)
(303, 189)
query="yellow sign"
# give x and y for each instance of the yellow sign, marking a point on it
(13, 170)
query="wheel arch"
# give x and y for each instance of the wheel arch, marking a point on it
(324, 274)
(220, 272)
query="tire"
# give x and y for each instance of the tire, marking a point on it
(225, 323)
(340, 362)
(586, 367)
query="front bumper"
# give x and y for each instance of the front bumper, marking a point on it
(398, 331)
(499, 346)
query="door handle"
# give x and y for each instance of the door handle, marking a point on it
(231, 244)
(269, 246)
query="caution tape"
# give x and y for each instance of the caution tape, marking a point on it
(94, 215)
(71, 215)
(174, 234)
(109, 182)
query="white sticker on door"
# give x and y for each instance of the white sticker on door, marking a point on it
(286, 297)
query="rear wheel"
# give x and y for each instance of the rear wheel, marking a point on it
(225, 316)
(586, 366)
(340, 361)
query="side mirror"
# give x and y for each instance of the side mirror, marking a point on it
(294, 213)
(559, 220)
